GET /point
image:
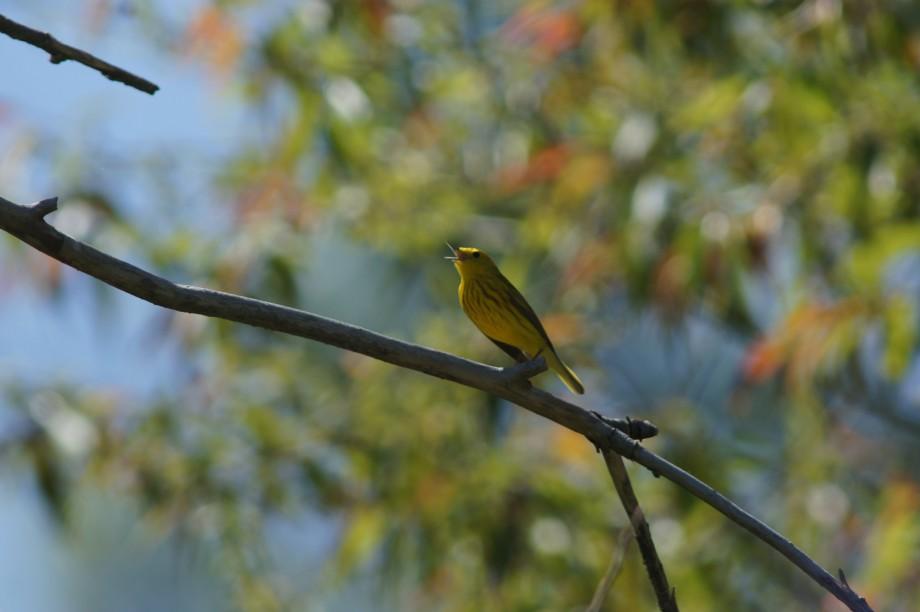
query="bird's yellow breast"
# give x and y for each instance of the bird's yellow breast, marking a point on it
(495, 319)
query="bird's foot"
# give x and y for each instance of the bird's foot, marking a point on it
(525, 370)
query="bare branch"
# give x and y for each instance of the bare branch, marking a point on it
(667, 602)
(60, 52)
(701, 490)
(23, 223)
(613, 570)
(27, 224)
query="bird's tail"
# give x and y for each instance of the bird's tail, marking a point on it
(563, 371)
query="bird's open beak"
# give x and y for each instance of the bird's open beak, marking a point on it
(455, 255)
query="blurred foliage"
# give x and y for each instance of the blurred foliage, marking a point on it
(715, 205)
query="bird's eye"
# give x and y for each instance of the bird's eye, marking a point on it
(476, 254)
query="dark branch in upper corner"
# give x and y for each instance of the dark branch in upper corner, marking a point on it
(606, 434)
(60, 52)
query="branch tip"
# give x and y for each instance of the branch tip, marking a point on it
(45, 207)
(637, 429)
(58, 52)
(640, 429)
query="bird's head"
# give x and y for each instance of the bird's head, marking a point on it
(470, 260)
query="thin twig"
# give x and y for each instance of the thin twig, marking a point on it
(613, 570)
(667, 602)
(31, 228)
(60, 52)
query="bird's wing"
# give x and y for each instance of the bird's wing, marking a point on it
(520, 305)
(515, 353)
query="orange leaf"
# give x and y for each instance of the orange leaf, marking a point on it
(546, 31)
(563, 328)
(762, 360)
(572, 447)
(375, 13)
(214, 35)
(543, 166)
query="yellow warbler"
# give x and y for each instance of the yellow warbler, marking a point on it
(503, 315)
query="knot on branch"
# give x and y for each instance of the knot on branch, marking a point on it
(613, 442)
(637, 429)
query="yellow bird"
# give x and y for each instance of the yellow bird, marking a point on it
(503, 315)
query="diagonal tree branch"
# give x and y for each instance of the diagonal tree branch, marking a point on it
(667, 602)
(60, 52)
(27, 224)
